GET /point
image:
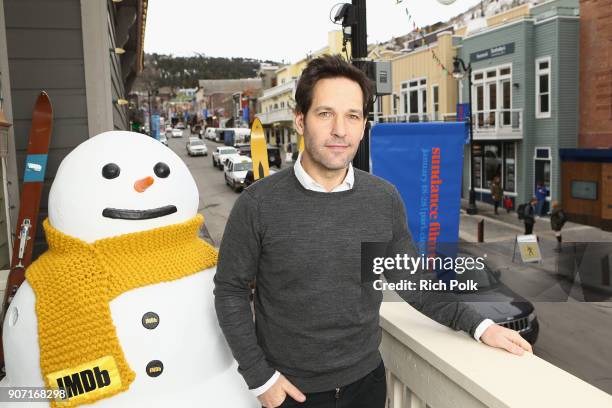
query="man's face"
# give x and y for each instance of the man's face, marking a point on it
(334, 124)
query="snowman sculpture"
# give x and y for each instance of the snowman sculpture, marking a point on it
(119, 312)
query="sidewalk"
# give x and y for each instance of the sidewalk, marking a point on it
(505, 226)
(556, 269)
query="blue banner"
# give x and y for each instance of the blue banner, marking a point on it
(245, 114)
(425, 162)
(155, 126)
(463, 112)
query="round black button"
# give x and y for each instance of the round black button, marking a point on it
(150, 320)
(155, 368)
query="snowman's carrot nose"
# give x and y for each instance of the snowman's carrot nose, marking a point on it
(142, 184)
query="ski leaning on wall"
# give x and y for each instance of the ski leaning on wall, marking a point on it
(31, 192)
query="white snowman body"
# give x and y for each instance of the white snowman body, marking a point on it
(198, 368)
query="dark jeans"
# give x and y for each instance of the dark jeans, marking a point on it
(496, 205)
(528, 228)
(368, 392)
(540, 207)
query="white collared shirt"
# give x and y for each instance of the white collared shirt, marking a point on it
(310, 184)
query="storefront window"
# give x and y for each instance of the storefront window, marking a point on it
(492, 163)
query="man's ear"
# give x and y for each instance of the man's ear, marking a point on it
(299, 122)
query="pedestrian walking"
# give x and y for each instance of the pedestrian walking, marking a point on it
(316, 343)
(497, 193)
(557, 221)
(529, 215)
(541, 193)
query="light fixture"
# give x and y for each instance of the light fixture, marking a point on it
(117, 1)
(117, 50)
(121, 101)
(457, 73)
(345, 15)
(4, 130)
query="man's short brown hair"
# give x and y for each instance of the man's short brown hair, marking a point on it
(330, 66)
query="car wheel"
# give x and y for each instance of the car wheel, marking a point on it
(226, 182)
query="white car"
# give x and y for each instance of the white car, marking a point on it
(209, 133)
(235, 170)
(180, 125)
(168, 130)
(219, 156)
(196, 147)
(177, 133)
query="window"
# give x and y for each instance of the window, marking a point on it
(414, 99)
(495, 159)
(436, 102)
(584, 190)
(492, 98)
(492, 163)
(394, 97)
(543, 100)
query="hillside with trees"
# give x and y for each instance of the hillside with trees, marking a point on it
(184, 72)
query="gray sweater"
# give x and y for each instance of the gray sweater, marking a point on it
(313, 322)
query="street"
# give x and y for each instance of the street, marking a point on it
(216, 198)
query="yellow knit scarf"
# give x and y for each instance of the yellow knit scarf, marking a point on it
(74, 283)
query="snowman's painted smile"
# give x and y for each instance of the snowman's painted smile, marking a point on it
(120, 214)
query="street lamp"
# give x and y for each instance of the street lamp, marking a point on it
(459, 71)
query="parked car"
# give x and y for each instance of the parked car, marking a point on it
(163, 139)
(274, 156)
(250, 177)
(177, 133)
(233, 136)
(220, 154)
(180, 125)
(168, 130)
(209, 133)
(502, 305)
(196, 147)
(235, 170)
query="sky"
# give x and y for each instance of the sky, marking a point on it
(278, 30)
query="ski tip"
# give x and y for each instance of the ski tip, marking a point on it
(43, 102)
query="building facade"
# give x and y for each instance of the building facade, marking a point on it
(85, 54)
(422, 90)
(524, 100)
(587, 171)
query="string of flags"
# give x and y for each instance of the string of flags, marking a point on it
(420, 31)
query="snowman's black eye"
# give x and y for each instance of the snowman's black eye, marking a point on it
(161, 170)
(111, 171)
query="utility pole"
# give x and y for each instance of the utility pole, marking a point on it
(359, 52)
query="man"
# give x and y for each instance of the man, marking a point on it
(299, 233)
(541, 193)
(497, 193)
(529, 215)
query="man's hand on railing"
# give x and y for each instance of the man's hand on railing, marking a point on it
(509, 340)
